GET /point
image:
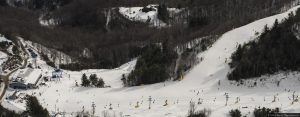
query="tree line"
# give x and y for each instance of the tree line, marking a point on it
(275, 50)
(92, 81)
(33, 109)
(152, 66)
(82, 26)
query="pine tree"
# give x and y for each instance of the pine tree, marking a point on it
(235, 113)
(274, 50)
(7, 113)
(163, 13)
(84, 81)
(276, 23)
(152, 66)
(266, 29)
(264, 112)
(100, 83)
(15, 50)
(3, 3)
(93, 79)
(34, 108)
(124, 79)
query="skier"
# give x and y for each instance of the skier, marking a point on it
(166, 103)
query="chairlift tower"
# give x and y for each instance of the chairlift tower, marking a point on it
(150, 101)
(227, 97)
(93, 111)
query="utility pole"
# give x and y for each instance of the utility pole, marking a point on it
(293, 97)
(150, 101)
(93, 107)
(227, 97)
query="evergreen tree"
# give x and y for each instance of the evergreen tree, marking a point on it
(197, 21)
(34, 108)
(163, 13)
(235, 113)
(266, 29)
(124, 79)
(7, 113)
(100, 83)
(84, 81)
(3, 3)
(236, 56)
(276, 24)
(152, 66)
(275, 50)
(264, 112)
(93, 79)
(15, 50)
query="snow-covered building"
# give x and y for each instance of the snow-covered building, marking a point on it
(26, 78)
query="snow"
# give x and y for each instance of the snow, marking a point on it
(3, 57)
(136, 14)
(9, 49)
(201, 82)
(2, 38)
(50, 22)
(174, 10)
(47, 21)
(29, 75)
(13, 106)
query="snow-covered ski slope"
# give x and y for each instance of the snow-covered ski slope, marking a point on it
(201, 82)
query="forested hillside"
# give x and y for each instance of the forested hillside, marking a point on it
(58, 58)
(276, 49)
(82, 32)
(155, 65)
(7, 113)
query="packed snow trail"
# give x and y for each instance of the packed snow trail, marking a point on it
(213, 66)
(201, 82)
